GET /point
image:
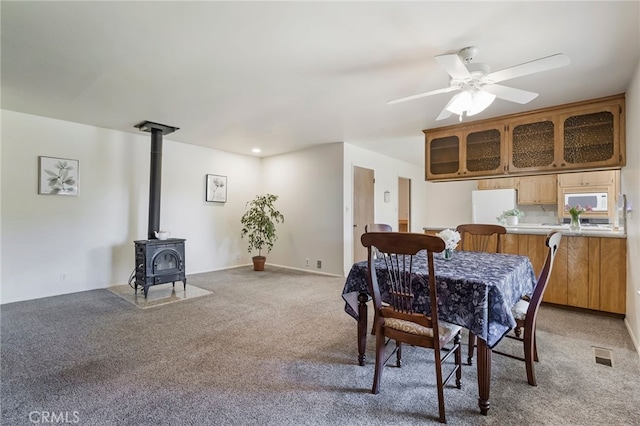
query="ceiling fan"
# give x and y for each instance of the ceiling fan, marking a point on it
(478, 88)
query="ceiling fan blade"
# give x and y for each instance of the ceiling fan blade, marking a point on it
(422, 95)
(445, 112)
(539, 65)
(454, 66)
(510, 93)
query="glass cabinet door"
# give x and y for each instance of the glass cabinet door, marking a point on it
(483, 152)
(532, 145)
(443, 156)
(590, 138)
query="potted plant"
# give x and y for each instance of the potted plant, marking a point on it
(510, 216)
(259, 225)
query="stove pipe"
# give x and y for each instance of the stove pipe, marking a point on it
(155, 173)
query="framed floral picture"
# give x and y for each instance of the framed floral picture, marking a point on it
(216, 188)
(58, 176)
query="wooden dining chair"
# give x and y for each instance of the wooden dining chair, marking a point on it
(399, 321)
(479, 237)
(526, 311)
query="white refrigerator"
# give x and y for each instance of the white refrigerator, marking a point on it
(488, 204)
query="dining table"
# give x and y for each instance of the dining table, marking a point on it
(475, 290)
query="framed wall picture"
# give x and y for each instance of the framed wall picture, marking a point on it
(58, 176)
(216, 188)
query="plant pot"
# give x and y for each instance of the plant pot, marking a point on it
(258, 263)
(512, 220)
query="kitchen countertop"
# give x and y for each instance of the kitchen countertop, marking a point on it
(544, 229)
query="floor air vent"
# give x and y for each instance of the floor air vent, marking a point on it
(603, 356)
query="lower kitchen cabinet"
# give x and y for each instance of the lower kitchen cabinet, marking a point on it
(588, 272)
(613, 274)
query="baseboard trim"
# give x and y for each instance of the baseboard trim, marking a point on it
(633, 338)
(268, 264)
(585, 310)
(221, 269)
(306, 270)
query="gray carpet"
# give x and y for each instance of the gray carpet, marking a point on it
(276, 348)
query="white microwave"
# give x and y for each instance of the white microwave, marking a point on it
(598, 201)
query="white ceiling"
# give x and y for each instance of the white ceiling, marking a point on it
(287, 75)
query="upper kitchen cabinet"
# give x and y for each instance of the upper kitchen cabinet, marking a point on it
(443, 155)
(592, 136)
(532, 143)
(537, 190)
(464, 152)
(575, 137)
(588, 179)
(497, 183)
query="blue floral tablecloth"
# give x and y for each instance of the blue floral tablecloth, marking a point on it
(475, 290)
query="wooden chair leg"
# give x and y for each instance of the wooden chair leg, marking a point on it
(458, 355)
(517, 331)
(362, 327)
(472, 345)
(440, 385)
(535, 347)
(529, 356)
(380, 359)
(398, 354)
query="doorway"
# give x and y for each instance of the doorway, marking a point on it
(404, 204)
(363, 208)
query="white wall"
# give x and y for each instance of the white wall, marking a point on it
(54, 245)
(631, 187)
(309, 186)
(449, 203)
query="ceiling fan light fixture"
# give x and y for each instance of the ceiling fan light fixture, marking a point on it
(470, 102)
(481, 101)
(460, 103)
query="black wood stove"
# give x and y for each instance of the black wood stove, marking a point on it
(157, 261)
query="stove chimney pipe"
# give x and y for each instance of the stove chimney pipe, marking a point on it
(155, 173)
